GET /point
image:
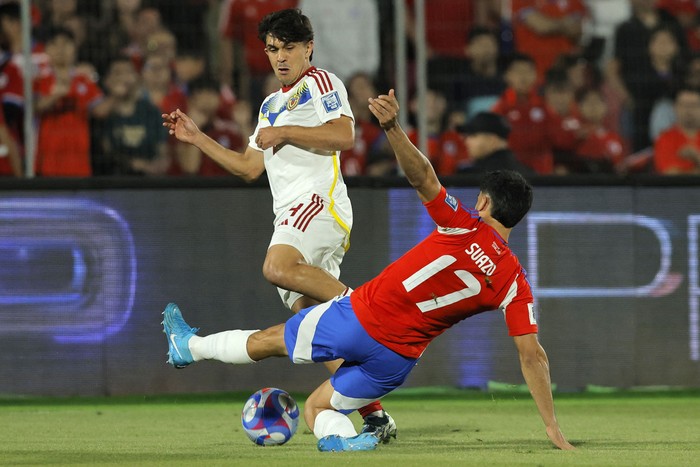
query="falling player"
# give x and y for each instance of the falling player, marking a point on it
(381, 329)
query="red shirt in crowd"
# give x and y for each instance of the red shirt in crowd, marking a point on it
(529, 137)
(447, 23)
(240, 20)
(667, 151)
(601, 144)
(354, 161)
(63, 146)
(452, 153)
(544, 49)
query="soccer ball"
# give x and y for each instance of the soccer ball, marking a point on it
(270, 417)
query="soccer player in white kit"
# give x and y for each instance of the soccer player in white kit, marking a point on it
(300, 132)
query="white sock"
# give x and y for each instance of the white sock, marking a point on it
(330, 422)
(227, 347)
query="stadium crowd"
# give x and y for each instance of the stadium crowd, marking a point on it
(586, 86)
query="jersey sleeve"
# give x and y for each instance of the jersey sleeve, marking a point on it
(329, 96)
(518, 307)
(448, 212)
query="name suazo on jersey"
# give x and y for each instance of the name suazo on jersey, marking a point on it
(316, 98)
(462, 268)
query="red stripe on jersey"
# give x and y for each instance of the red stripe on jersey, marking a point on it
(327, 79)
(319, 82)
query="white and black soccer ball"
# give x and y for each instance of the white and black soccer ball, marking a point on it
(270, 417)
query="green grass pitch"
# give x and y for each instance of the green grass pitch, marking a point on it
(435, 428)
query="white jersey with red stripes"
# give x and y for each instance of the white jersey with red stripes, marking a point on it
(294, 171)
(463, 268)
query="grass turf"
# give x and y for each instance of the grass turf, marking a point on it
(435, 428)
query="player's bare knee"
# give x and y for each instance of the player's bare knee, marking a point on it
(275, 273)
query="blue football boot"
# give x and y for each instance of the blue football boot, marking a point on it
(336, 443)
(178, 333)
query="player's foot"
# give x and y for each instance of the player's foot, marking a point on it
(335, 443)
(382, 426)
(178, 333)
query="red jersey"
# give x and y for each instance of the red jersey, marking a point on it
(461, 269)
(544, 49)
(600, 143)
(530, 135)
(667, 148)
(447, 23)
(239, 20)
(354, 161)
(63, 147)
(453, 154)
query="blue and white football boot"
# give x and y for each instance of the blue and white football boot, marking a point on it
(337, 443)
(178, 333)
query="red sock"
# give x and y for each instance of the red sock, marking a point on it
(369, 408)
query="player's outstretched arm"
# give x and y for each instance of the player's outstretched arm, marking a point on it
(535, 367)
(249, 165)
(418, 169)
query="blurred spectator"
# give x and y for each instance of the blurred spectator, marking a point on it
(159, 86)
(65, 101)
(486, 136)
(132, 138)
(203, 104)
(11, 39)
(473, 83)
(453, 155)
(546, 29)
(632, 58)
(525, 110)
(435, 112)
(563, 117)
(371, 154)
(10, 159)
(190, 64)
(599, 150)
(677, 151)
(117, 30)
(243, 62)
(346, 35)
(148, 21)
(447, 24)
(663, 114)
(685, 11)
(656, 79)
(12, 99)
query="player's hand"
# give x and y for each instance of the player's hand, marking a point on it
(555, 435)
(386, 109)
(269, 137)
(181, 126)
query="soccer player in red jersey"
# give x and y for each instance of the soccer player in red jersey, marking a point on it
(462, 268)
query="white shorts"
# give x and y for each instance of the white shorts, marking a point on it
(311, 229)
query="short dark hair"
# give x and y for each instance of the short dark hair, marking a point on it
(11, 10)
(518, 57)
(204, 83)
(510, 193)
(478, 31)
(59, 31)
(286, 25)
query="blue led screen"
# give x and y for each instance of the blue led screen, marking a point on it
(85, 274)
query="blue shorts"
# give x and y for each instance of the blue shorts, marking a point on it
(330, 331)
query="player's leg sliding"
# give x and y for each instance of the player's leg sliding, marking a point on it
(335, 432)
(185, 347)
